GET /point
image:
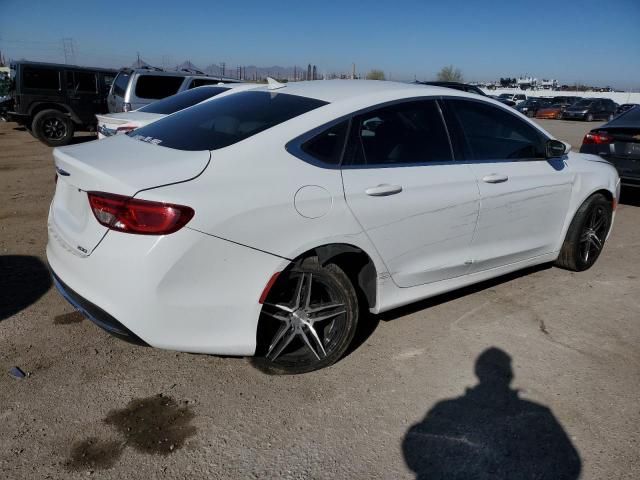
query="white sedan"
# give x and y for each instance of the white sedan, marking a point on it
(117, 123)
(265, 222)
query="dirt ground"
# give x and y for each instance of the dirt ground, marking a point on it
(533, 375)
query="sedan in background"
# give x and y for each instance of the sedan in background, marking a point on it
(590, 109)
(268, 222)
(531, 106)
(618, 142)
(553, 111)
(118, 123)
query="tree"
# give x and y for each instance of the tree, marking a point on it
(450, 74)
(375, 75)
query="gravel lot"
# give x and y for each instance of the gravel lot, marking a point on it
(405, 403)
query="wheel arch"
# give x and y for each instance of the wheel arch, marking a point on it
(39, 107)
(356, 262)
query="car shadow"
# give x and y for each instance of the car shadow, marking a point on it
(23, 280)
(630, 196)
(462, 292)
(490, 433)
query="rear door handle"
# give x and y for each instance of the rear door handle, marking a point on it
(495, 178)
(383, 190)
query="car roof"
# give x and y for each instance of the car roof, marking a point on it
(63, 65)
(336, 90)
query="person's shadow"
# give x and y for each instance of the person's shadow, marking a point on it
(490, 433)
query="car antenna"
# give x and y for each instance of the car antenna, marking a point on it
(274, 84)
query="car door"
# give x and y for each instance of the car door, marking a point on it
(418, 207)
(82, 94)
(524, 196)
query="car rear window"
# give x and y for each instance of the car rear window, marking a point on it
(630, 117)
(120, 83)
(182, 100)
(225, 121)
(157, 86)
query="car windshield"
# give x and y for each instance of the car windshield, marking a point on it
(183, 100)
(225, 121)
(583, 103)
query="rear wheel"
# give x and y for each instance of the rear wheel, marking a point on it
(586, 235)
(308, 321)
(610, 117)
(53, 128)
(589, 117)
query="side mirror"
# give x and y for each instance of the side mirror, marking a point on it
(556, 148)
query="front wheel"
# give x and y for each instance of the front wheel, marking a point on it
(587, 234)
(589, 118)
(308, 320)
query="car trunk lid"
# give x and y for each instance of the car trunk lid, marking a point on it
(119, 165)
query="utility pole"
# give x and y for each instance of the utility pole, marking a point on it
(69, 50)
(223, 65)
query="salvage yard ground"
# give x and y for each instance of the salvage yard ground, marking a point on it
(93, 405)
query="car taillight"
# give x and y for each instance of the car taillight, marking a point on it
(597, 139)
(126, 107)
(125, 129)
(144, 217)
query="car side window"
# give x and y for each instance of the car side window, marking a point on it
(328, 145)
(84, 82)
(157, 86)
(405, 133)
(491, 133)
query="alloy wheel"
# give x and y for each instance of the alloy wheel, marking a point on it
(310, 316)
(54, 128)
(594, 234)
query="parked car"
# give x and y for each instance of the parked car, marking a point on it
(618, 141)
(116, 123)
(531, 106)
(516, 98)
(553, 111)
(263, 223)
(624, 107)
(464, 87)
(590, 109)
(135, 88)
(53, 101)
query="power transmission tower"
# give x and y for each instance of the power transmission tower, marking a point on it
(223, 65)
(69, 50)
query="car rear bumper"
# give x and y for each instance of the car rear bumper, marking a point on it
(628, 170)
(94, 313)
(186, 291)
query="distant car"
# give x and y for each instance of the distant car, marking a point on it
(624, 107)
(531, 106)
(54, 100)
(464, 87)
(117, 123)
(135, 88)
(618, 142)
(590, 109)
(516, 98)
(553, 111)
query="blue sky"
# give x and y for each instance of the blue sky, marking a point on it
(595, 42)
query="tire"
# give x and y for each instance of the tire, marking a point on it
(589, 117)
(559, 116)
(586, 235)
(531, 114)
(610, 117)
(53, 128)
(300, 332)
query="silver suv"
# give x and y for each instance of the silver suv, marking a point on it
(135, 88)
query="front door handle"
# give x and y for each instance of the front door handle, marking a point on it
(383, 190)
(495, 178)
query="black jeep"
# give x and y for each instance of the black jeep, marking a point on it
(52, 100)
